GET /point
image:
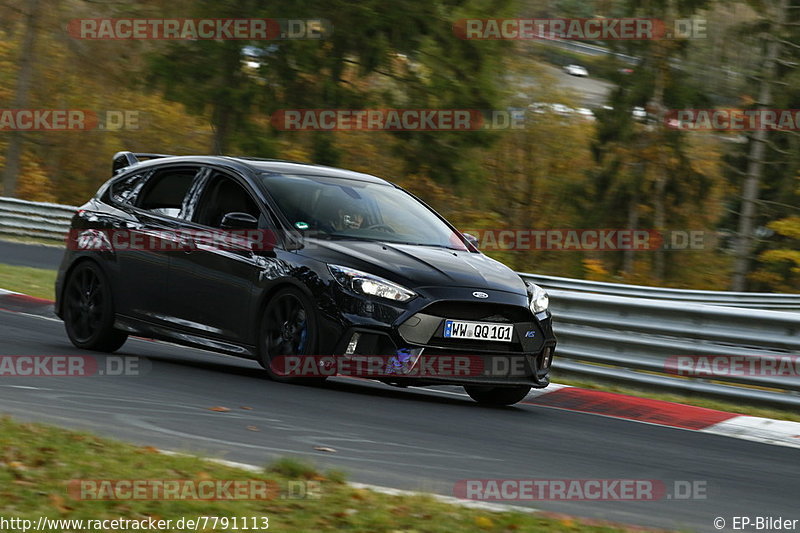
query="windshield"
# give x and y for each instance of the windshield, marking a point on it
(337, 208)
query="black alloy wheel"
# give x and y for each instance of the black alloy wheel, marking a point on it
(288, 329)
(89, 310)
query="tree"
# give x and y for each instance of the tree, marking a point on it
(755, 160)
(771, 156)
(21, 96)
(644, 173)
(357, 65)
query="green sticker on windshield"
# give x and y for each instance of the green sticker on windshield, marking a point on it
(301, 225)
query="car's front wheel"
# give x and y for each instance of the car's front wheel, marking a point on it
(497, 395)
(288, 335)
(89, 310)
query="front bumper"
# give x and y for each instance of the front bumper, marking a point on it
(417, 338)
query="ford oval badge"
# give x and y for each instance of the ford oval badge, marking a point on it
(479, 294)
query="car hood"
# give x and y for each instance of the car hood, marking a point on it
(418, 266)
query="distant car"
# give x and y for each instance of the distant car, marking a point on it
(626, 71)
(549, 107)
(253, 56)
(576, 70)
(357, 267)
(585, 113)
(561, 110)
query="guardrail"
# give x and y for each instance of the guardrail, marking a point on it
(35, 219)
(750, 355)
(748, 300)
(626, 334)
(587, 49)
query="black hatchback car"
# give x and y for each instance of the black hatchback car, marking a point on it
(310, 270)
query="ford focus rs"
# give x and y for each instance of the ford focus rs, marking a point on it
(312, 271)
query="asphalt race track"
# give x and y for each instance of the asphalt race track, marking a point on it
(31, 255)
(404, 438)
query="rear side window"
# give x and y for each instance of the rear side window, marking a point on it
(124, 191)
(166, 190)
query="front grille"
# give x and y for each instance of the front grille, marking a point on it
(479, 311)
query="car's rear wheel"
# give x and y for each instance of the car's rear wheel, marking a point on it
(288, 330)
(89, 310)
(497, 395)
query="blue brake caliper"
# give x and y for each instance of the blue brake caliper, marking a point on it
(301, 346)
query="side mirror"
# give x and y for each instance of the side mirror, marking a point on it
(239, 221)
(472, 239)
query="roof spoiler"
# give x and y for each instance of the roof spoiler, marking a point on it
(123, 160)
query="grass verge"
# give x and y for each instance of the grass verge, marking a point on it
(38, 282)
(38, 462)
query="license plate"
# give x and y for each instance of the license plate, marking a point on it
(482, 331)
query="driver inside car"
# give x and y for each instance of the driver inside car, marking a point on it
(349, 218)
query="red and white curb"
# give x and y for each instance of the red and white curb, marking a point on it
(767, 430)
(568, 398)
(22, 303)
(670, 414)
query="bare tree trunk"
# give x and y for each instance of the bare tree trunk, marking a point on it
(659, 201)
(629, 255)
(221, 122)
(755, 163)
(21, 98)
(528, 204)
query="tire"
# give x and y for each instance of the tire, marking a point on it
(289, 327)
(89, 310)
(497, 395)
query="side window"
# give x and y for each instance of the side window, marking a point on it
(223, 195)
(166, 190)
(125, 190)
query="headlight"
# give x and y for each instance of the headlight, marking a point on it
(364, 283)
(539, 300)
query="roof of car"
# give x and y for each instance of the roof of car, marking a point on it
(277, 166)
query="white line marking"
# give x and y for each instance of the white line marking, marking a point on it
(471, 504)
(4, 291)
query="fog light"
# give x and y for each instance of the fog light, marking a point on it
(353, 344)
(547, 357)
